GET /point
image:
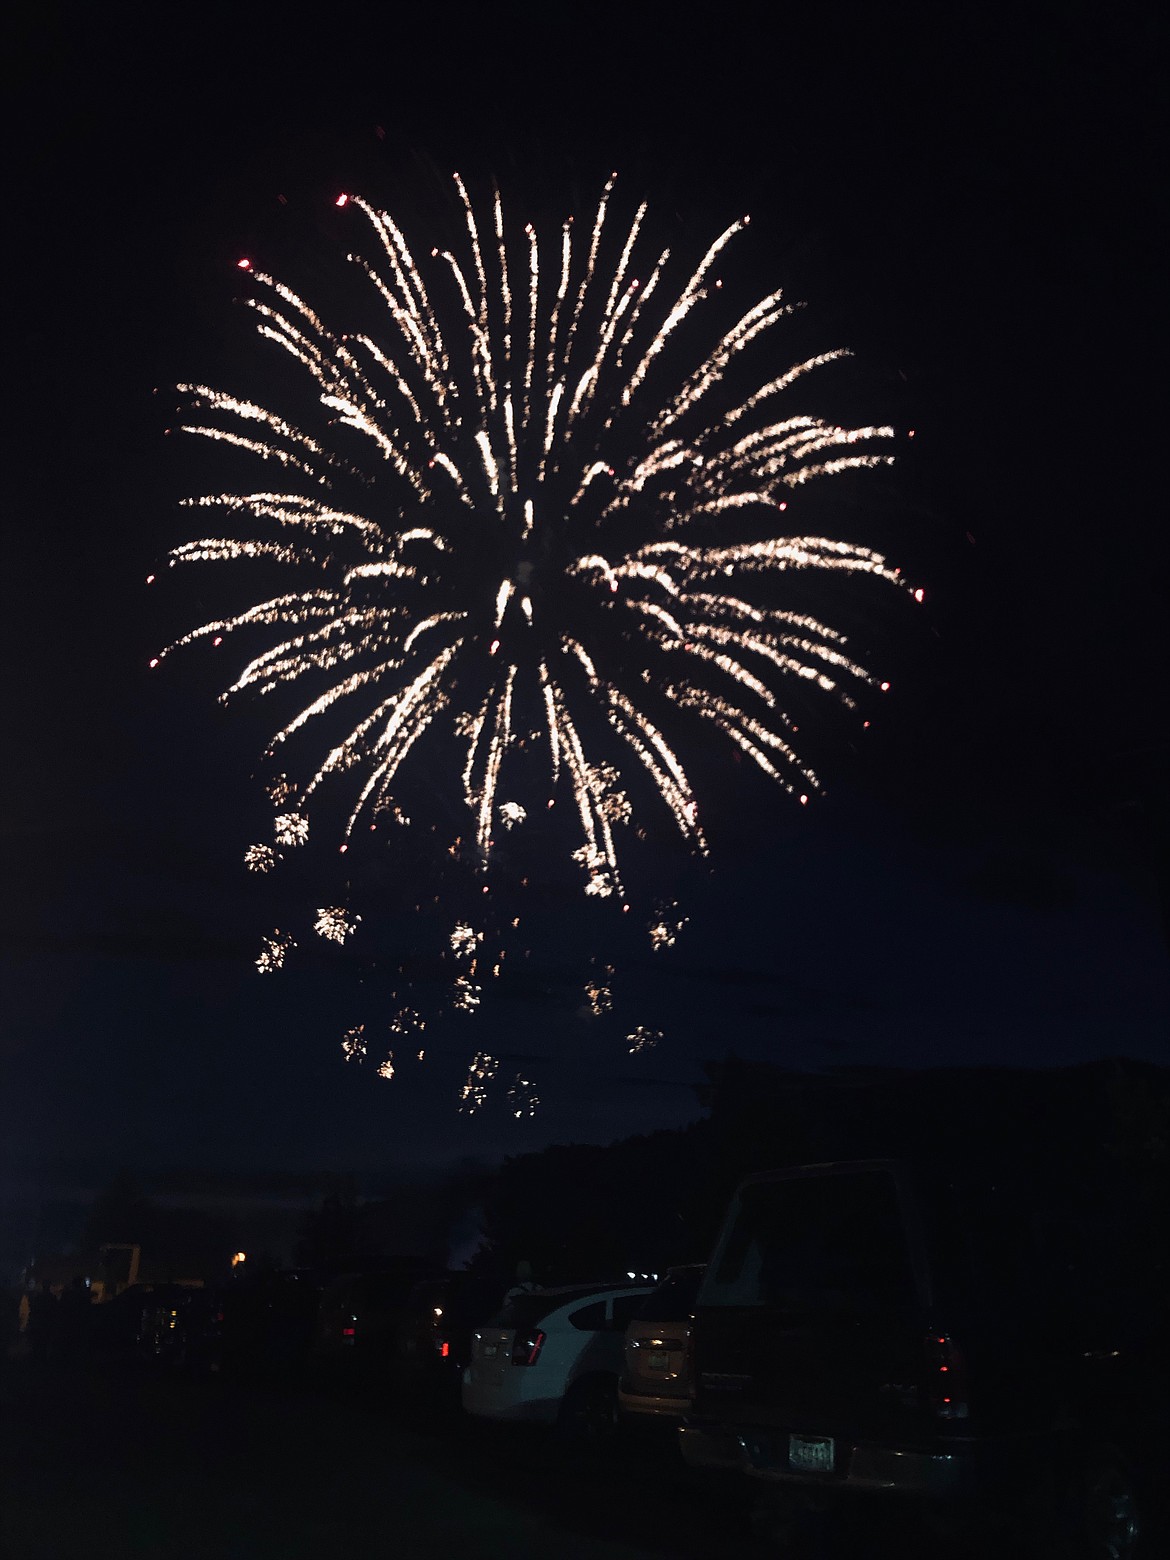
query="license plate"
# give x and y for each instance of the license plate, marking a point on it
(811, 1453)
(658, 1359)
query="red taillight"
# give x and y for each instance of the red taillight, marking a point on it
(526, 1348)
(443, 1346)
(349, 1333)
(946, 1376)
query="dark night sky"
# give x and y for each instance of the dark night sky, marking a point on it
(973, 208)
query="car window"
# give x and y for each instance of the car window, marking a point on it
(383, 1290)
(835, 1242)
(526, 1310)
(673, 1300)
(590, 1318)
(625, 1309)
(430, 1293)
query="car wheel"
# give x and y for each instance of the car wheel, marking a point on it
(589, 1412)
(1110, 1519)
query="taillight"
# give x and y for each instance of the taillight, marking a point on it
(946, 1375)
(443, 1347)
(349, 1334)
(526, 1348)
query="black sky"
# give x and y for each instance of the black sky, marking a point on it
(972, 204)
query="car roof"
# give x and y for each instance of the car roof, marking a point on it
(603, 1286)
(828, 1167)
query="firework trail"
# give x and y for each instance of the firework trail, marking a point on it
(570, 479)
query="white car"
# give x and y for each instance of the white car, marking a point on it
(553, 1356)
(656, 1379)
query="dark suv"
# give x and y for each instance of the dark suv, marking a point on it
(982, 1342)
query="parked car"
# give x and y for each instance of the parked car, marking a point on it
(265, 1324)
(656, 1378)
(362, 1320)
(553, 1356)
(181, 1326)
(962, 1339)
(433, 1342)
(125, 1322)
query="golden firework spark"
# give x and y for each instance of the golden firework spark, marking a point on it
(523, 1099)
(668, 922)
(334, 923)
(643, 1039)
(273, 952)
(473, 1094)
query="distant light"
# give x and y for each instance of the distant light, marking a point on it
(495, 645)
(150, 579)
(243, 265)
(218, 640)
(154, 662)
(341, 849)
(910, 433)
(885, 687)
(342, 200)
(782, 506)
(804, 801)
(919, 594)
(865, 725)
(238, 1257)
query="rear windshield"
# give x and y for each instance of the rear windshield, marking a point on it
(674, 1299)
(834, 1242)
(527, 1310)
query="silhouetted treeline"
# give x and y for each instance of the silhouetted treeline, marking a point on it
(176, 1242)
(1098, 1135)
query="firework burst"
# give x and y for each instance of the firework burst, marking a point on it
(565, 536)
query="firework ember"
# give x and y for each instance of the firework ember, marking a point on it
(272, 954)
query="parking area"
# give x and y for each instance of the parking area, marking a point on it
(120, 1462)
